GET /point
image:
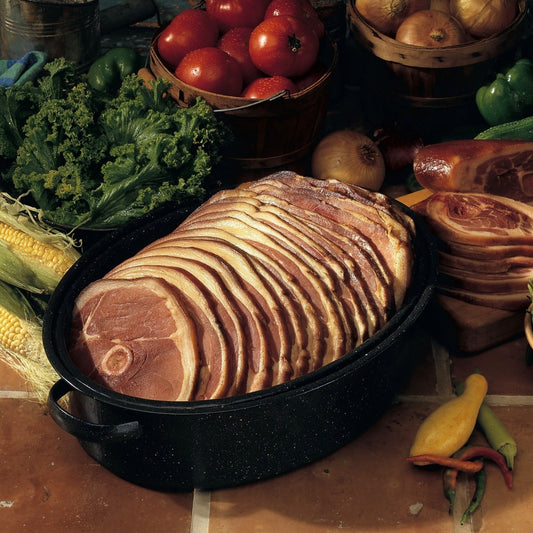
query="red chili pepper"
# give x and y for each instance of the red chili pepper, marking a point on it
(451, 462)
(488, 453)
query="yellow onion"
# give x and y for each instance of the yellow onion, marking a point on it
(387, 15)
(484, 18)
(440, 5)
(431, 28)
(349, 156)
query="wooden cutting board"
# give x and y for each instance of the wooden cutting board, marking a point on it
(463, 327)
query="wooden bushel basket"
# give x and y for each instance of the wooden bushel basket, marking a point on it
(434, 78)
(271, 134)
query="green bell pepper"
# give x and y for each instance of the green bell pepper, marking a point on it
(107, 72)
(510, 96)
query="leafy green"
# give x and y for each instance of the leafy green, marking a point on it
(19, 102)
(16, 105)
(98, 160)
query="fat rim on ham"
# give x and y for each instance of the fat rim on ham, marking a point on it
(259, 285)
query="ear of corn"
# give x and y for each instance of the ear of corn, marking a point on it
(33, 256)
(14, 271)
(33, 259)
(21, 344)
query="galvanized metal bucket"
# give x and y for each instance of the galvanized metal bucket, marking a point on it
(67, 29)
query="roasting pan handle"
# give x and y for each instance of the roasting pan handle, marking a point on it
(82, 429)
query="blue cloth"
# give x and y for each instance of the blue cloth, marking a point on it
(19, 71)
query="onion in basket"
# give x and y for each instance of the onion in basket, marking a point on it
(387, 15)
(431, 28)
(349, 156)
(483, 18)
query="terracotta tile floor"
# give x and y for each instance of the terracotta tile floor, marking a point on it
(48, 483)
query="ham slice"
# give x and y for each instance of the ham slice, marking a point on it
(486, 247)
(157, 358)
(506, 301)
(389, 238)
(511, 281)
(320, 242)
(229, 295)
(259, 285)
(487, 265)
(495, 252)
(499, 167)
(218, 372)
(315, 278)
(478, 219)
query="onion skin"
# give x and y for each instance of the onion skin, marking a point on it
(432, 29)
(440, 5)
(387, 15)
(399, 150)
(484, 18)
(351, 157)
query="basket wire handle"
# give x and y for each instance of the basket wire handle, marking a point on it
(272, 98)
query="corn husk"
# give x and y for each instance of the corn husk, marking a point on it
(24, 289)
(30, 361)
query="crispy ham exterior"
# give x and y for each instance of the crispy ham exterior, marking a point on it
(486, 247)
(260, 285)
(499, 167)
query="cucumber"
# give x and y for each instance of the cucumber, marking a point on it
(517, 130)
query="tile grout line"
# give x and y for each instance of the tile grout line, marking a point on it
(16, 394)
(441, 358)
(445, 390)
(495, 400)
(201, 508)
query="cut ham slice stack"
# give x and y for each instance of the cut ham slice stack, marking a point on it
(261, 284)
(486, 255)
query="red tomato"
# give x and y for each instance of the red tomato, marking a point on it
(283, 46)
(235, 43)
(268, 86)
(211, 69)
(236, 13)
(188, 30)
(299, 9)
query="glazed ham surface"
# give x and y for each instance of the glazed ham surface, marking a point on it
(499, 167)
(486, 247)
(261, 284)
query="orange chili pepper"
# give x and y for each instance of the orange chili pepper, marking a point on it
(451, 462)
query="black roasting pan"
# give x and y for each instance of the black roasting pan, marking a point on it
(180, 446)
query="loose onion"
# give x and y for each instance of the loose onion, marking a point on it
(484, 18)
(431, 28)
(398, 149)
(387, 15)
(349, 156)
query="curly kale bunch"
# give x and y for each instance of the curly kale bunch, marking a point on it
(98, 160)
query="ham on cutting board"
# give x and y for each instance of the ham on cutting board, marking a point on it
(466, 317)
(477, 199)
(259, 285)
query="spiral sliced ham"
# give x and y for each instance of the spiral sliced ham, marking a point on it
(260, 285)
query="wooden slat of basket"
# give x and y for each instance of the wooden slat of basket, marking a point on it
(389, 49)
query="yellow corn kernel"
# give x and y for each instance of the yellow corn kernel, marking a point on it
(46, 254)
(14, 335)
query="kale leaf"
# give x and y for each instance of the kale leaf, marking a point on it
(99, 161)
